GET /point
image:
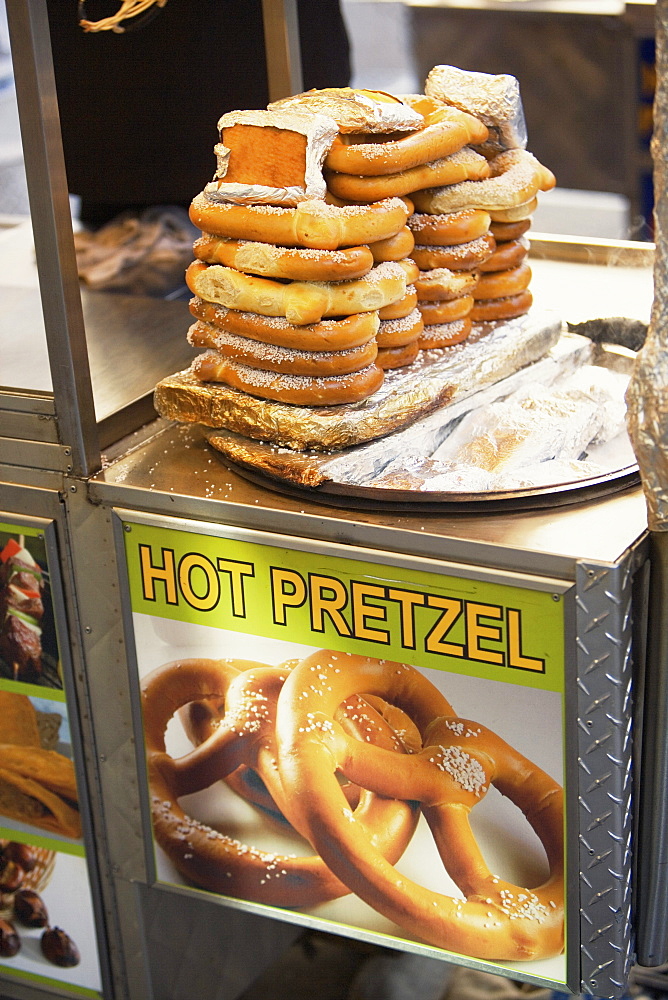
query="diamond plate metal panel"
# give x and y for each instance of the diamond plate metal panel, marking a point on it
(605, 785)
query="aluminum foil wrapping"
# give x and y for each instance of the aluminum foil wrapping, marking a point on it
(318, 133)
(495, 100)
(261, 194)
(287, 440)
(647, 396)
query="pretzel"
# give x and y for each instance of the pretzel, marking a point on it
(449, 229)
(464, 165)
(399, 332)
(516, 177)
(253, 700)
(400, 307)
(442, 283)
(507, 307)
(445, 131)
(211, 366)
(501, 284)
(507, 255)
(299, 390)
(440, 335)
(313, 223)
(516, 213)
(296, 264)
(458, 763)
(446, 311)
(461, 257)
(244, 738)
(397, 357)
(300, 302)
(394, 247)
(504, 231)
(331, 334)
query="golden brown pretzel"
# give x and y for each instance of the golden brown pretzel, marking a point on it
(397, 357)
(300, 302)
(464, 165)
(442, 283)
(394, 247)
(504, 231)
(284, 360)
(459, 761)
(501, 284)
(293, 263)
(244, 738)
(516, 213)
(399, 332)
(299, 390)
(509, 254)
(460, 257)
(328, 335)
(507, 307)
(251, 702)
(516, 177)
(401, 307)
(439, 335)
(445, 131)
(452, 228)
(446, 311)
(311, 224)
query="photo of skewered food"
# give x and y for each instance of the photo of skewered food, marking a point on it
(28, 647)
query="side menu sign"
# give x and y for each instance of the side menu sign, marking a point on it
(47, 926)
(360, 740)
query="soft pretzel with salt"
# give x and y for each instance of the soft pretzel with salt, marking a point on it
(314, 224)
(243, 738)
(515, 179)
(328, 335)
(211, 367)
(293, 263)
(459, 761)
(298, 390)
(458, 257)
(445, 131)
(300, 302)
(464, 165)
(449, 229)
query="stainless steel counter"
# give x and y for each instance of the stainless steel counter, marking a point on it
(171, 470)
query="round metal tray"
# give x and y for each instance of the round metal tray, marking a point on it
(412, 501)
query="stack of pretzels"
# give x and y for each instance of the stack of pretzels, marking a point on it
(349, 751)
(308, 282)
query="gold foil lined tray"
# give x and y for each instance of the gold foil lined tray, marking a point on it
(436, 380)
(406, 469)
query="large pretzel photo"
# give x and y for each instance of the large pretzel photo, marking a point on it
(347, 750)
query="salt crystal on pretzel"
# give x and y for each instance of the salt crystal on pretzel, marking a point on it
(271, 157)
(495, 100)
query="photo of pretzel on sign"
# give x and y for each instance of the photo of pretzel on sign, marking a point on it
(354, 758)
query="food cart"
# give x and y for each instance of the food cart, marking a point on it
(527, 613)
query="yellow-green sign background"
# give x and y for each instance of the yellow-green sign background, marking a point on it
(541, 613)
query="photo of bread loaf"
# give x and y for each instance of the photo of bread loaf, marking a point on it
(37, 781)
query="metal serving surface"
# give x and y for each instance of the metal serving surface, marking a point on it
(171, 469)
